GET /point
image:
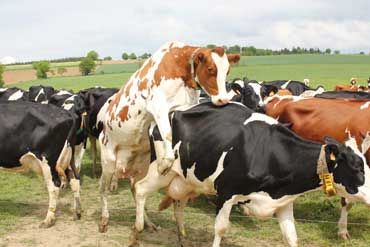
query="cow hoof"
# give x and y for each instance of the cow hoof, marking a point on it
(344, 235)
(47, 223)
(103, 226)
(134, 236)
(113, 186)
(151, 227)
(77, 216)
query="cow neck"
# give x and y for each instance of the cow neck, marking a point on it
(325, 176)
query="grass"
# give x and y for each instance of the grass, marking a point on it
(117, 68)
(25, 195)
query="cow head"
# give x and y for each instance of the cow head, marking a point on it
(244, 94)
(350, 171)
(40, 93)
(211, 67)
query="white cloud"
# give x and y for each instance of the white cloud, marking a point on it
(42, 29)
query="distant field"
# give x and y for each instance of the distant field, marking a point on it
(117, 68)
(52, 65)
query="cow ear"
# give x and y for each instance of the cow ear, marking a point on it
(331, 149)
(236, 88)
(199, 57)
(233, 58)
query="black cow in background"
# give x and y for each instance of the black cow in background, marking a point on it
(13, 94)
(40, 138)
(41, 94)
(94, 99)
(344, 94)
(295, 87)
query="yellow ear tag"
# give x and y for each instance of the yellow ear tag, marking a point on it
(328, 185)
(332, 157)
(237, 91)
(271, 93)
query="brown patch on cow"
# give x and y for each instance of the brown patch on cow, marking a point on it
(344, 87)
(284, 92)
(123, 114)
(138, 112)
(219, 50)
(143, 84)
(128, 88)
(144, 71)
(115, 101)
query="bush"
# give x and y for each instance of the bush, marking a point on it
(109, 58)
(2, 69)
(124, 56)
(41, 69)
(87, 65)
(61, 70)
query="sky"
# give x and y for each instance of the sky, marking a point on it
(47, 29)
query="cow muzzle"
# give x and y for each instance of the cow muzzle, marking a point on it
(220, 100)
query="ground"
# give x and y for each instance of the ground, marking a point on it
(23, 197)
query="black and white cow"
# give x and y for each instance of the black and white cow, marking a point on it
(94, 99)
(39, 138)
(247, 157)
(40, 94)
(295, 87)
(76, 106)
(13, 94)
(344, 94)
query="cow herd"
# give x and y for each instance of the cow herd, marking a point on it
(257, 144)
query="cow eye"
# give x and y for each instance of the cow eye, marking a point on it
(210, 70)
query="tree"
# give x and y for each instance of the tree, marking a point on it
(2, 69)
(145, 55)
(336, 52)
(109, 58)
(362, 53)
(328, 51)
(93, 54)
(61, 70)
(132, 56)
(124, 56)
(41, 68)
(210, 46)
(87, 65)
(233, 49)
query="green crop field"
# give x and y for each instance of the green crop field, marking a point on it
(117, 68)
(52, 65)
(23, 198)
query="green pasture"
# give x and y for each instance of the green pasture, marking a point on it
(52, 65)
(117, 68)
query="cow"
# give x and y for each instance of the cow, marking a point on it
(344, 87)
(296, 87)
(342, 118)
(40, 94)
(76, 106)
(13, 94)
(246, 157)
(94, 99)
(344, 95)
(312, 93)
(39, 138)
(167, 79)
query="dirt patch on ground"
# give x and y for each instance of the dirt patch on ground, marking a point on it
(14, 76)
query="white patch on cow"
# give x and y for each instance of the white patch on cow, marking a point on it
(38, 95)
(240, 83)
(260, 117)
(68, 106)
(257, 89)
(63, 92)
(3, 89)
(79, 153)
(45, 102)
(365, 143)
(364, 106)
(222, 64)
(16, 96)
(285, 85)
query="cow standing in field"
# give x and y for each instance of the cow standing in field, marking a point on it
(40, 138)
(246, 157)
(168, 79)
(344, 87)
(316, 118)
(94, 99)
(13, 94)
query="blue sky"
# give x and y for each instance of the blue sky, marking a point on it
(41, 29)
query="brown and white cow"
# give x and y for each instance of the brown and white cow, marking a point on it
(345, 87)
(315, 118)
(168, 79)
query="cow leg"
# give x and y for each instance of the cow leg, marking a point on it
(152, 182)
(159, 108)
(222, 220)
(93, 152)
(342, 223)
(179, 207)
(286, 222)
(75, 187)
(108, 161)
(79, 153)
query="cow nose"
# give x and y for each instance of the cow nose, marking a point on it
(222, 101)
